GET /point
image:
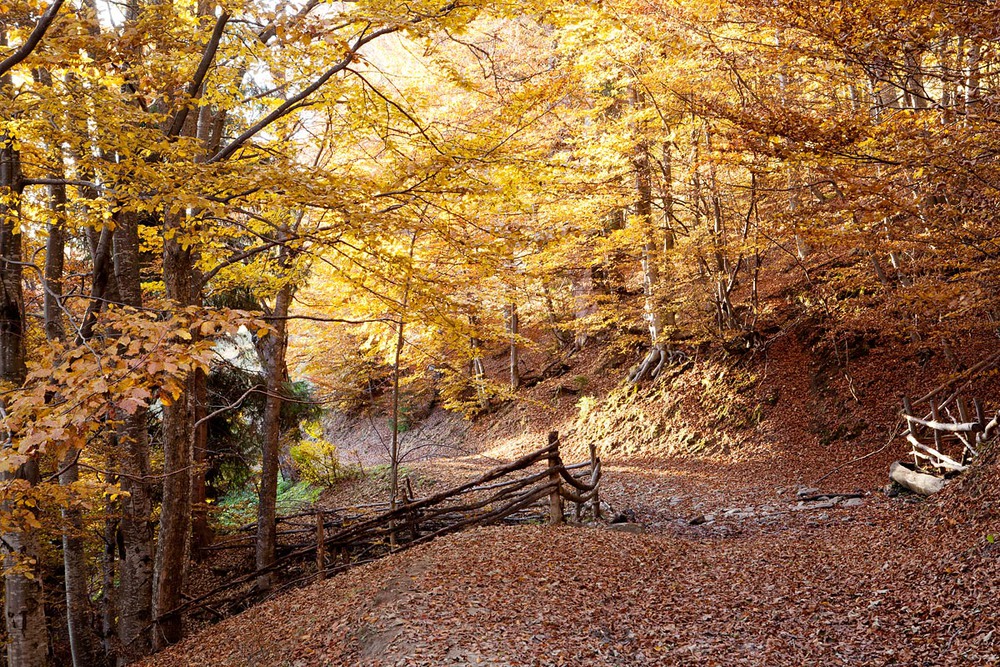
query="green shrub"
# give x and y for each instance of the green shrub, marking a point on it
(239, 507)
(319, 463)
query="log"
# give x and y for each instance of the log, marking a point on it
(970, 427)
(959, 376)
(918, 482)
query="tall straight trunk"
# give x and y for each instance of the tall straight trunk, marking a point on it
(24, 612)
(109, 572)
(476, 365)
(74, 559)
(400, 341)
(201, 531)
(723, 306)
(669, 239)
(273, 361)
(644, 214)
(514, 328)
(135, 591)
(135, 599)
(178, 441)
(55, 260)
(914, 90)
(973, 63)
(696, 195)
(100, 282)
(802, 249)
(208, 129)
(179, 432)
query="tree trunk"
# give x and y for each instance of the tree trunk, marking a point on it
(109, 573)
(669, 240)
(400, 341)
(24, 612)
(201, 531)
(74, 559)
(973, 92)
(178, 440)
(99, 284)
(513, 327)
(478, 369)
(644, 214)
(273, 361)
(135, 602)
(208, 129)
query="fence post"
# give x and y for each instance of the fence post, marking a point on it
(935, 415)
(555, 499)
(415, 522)
(908, 410)
(597, 493)
(320, 545)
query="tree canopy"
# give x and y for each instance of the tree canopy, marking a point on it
(362, 191)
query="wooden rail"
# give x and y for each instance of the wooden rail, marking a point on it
(944, 439)
(341, 538)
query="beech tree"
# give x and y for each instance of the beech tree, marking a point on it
(419, 184)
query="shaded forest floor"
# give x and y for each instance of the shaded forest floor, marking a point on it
(853, 585)
(732, 568)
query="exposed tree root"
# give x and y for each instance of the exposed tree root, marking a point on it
(658, 358)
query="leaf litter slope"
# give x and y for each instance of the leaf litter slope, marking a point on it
(841, 592)
(885, 583)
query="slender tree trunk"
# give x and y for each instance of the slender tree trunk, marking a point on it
(973, 92)
(583, 297)
(644, 214)
(74, 559)
(27, 636)
(109, 572)
(916, 93)
(400, 341)
(656, 358)
(669, 240)
(273, 361)
(135, 601)
(24, 612)
(477, 367)
(178, 440)
(514, 328)
(99, 285)
(802, 248)
(209, 131)
(201, 531)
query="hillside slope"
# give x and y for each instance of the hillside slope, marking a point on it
(758, 577)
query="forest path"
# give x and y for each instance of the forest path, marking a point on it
(843, 593)
(849, 584)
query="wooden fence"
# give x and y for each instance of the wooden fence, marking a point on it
(949, 435)
(534, 488)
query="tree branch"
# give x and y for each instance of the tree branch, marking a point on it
(33, 39)
(288, 105)
(194, 87)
